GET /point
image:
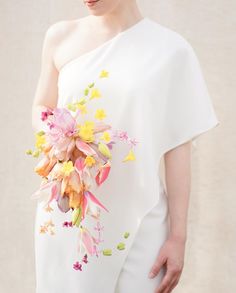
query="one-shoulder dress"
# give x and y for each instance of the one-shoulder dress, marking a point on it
(153, 91)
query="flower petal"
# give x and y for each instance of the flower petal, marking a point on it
(94, 199)
(85, 148)
(103, 173)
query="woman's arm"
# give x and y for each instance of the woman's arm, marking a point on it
(178, 184)
(178, 181)
(46, 91)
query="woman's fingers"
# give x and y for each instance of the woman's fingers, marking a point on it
(170, 278)
(160, 261)
(171, 286)
(171, 256)
(166, 281)
(174, 284)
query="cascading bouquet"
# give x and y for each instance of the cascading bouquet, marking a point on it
(77, 153)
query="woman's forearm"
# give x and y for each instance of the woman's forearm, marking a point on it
(178, 182)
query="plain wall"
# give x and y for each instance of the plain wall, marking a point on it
(210, 28)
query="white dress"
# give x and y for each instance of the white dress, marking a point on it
(156, 92)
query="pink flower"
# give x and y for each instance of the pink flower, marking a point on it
(123, 135)
(133, 141)
(62, 128)
(65, 224)
(85, 258)
(45, 114)
(77, 266)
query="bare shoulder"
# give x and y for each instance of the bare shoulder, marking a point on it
(59, 31)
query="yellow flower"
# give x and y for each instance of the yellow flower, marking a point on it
(95, 94)
(40, 140)
(89, 161)
(100, 114)
(103, 73)
(67, 168)
(106, 136)
(86, 131)
(130, 156)
(89, 123)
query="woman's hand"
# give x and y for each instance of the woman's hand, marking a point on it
(171, 255)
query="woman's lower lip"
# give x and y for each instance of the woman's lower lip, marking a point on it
(91, 3)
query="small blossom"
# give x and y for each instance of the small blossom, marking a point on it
(45, 114)
(104, 73)
(89, 161)
(133, 141)
(130, 156)
(67, 168)
(65, 224)
(106, 136)
(86, 131)
(85, 258)
(100, 114)
(77, 266)
(95, 93)
(40, 140)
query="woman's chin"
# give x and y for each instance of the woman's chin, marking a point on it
(95, 7)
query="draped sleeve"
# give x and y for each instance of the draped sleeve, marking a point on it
(187, 110)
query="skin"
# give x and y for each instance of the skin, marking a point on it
(66, 40)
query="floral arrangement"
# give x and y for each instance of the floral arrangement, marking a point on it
(77, 153)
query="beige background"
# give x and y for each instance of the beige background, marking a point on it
(210, 27)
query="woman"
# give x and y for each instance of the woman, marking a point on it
(155, 90)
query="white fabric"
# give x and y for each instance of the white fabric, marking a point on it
(155, 91)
